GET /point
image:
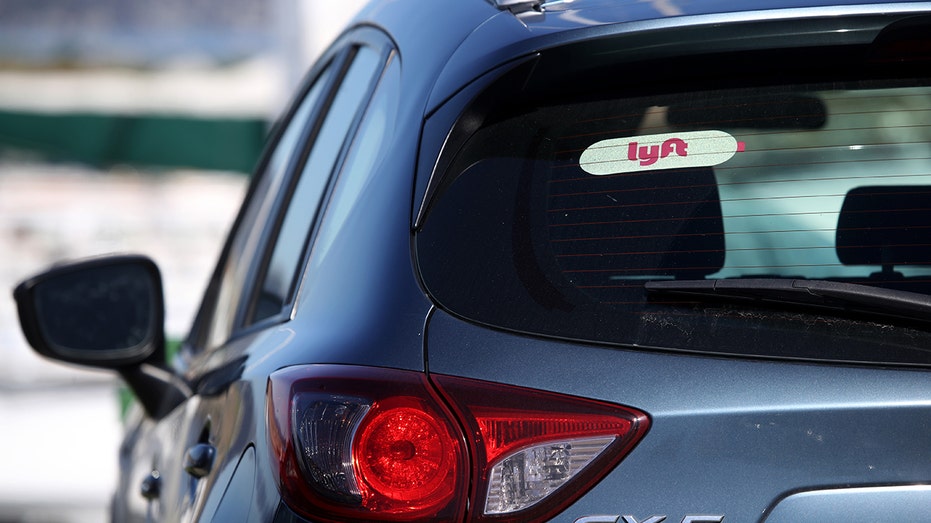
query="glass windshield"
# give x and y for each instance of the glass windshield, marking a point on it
(555, 215)
(841, 192)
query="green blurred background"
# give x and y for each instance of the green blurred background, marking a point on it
(125, 126)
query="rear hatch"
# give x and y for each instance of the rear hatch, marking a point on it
(724, 226)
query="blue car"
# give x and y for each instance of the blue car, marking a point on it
(583, 261)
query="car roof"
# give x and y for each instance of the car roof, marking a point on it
(632, 10)
(454, 41)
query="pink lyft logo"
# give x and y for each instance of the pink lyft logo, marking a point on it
(659, 151)
(648, 154)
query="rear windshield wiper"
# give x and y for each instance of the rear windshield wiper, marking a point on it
(818, 293)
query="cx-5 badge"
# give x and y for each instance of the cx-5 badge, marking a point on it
(651, 519)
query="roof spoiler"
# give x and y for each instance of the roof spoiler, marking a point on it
(519, 6)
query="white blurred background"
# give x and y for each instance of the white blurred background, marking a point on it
(69, 68)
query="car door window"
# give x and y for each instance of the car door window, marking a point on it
(221, 307)
(257, 274)
(279, 277)
(252, 223)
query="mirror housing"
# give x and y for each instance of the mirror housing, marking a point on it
(102, 312)
(105, 312)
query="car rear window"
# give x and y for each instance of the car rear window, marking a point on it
(556, 218)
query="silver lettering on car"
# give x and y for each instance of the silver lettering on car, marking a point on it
(651, 519)
(598, 519)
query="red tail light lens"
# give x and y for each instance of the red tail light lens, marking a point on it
(408, 456)
(366, 444)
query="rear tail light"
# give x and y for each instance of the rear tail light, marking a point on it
(533, 452)
(366, 444)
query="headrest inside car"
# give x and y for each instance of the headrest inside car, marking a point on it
(662, 223)
(885, 225)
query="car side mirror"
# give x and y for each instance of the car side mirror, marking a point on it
(102, 312)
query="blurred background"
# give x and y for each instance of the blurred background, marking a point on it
(125, 126)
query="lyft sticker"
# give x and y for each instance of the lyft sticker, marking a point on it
(659, 151)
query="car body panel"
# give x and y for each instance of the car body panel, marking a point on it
(761, 429)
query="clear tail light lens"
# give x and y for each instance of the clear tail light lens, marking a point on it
(528, 476)
(534, 452)
(365, 444)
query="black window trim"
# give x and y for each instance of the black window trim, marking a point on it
(308, 137)
(197, 340)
